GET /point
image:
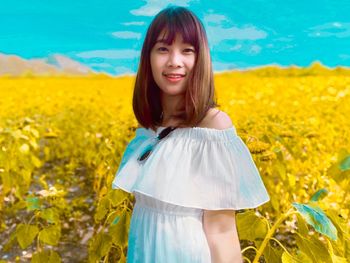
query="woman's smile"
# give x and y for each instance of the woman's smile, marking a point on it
(171, 64)
(174, 78)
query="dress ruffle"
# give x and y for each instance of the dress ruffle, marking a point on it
(193, 167)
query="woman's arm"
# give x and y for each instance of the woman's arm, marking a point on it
(221, 232)
(220, 225)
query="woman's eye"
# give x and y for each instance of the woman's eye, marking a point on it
(189, 49)
(186, 49)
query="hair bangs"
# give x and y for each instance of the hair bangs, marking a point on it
(174, 22)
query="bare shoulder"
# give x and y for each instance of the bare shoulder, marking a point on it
(216, 119)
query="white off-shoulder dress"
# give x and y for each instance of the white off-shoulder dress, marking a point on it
(190, 170)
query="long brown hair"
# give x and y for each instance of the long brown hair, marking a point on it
(200, 95)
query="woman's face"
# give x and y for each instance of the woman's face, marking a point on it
(178, 58)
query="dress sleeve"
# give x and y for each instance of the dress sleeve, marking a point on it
(201, 168)
(131, 149)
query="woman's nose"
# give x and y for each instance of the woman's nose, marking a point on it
(174, 59)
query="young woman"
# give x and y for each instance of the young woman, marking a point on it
(186, 165)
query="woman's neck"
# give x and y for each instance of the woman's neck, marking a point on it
(172, 121)
(172, 107)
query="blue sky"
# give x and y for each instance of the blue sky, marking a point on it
(107, 35)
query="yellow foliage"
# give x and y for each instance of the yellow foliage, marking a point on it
(294, 127)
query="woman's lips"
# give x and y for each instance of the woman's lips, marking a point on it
(173, 78)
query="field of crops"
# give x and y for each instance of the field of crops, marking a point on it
(61, 140)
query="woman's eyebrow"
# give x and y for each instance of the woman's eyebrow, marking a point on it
(160, 41)
(164, 42)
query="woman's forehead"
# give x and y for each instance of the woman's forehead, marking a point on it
(164, 35)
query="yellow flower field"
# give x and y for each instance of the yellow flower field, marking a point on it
(61, 140)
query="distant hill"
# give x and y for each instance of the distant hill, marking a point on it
(59, 65)
(316, 68)
(54, 65)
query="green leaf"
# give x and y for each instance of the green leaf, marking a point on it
(340, 170)
(119, 231)
(337, 259)
(116, 220)
(313, 248)
(345, 164)
(250, 226)
(318, 219)
(50, 215)
(275, 202)
(50, 235)
(33, 203)
(46, 257)
(36, 161)
(99, 246)
(25, 234)
(302, 226)
(319, 195)
(19, 205)
(340, 223)
(272, 254)
(102, 209)
(117, 196)
(300, 258)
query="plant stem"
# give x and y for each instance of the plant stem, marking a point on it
(279, 243)
(249, 247)
(271, 232)
(245, 258)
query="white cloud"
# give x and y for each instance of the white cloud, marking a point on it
(152, 7)
(236, 47)
(123, 70)
(100, 65)
(217, 33)
(110, 54)
(247, 48)
(126, 34)
(277, 47)
(215, 18)
(135, 23)
(283, 39)
(255, 49)
(337, 29)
